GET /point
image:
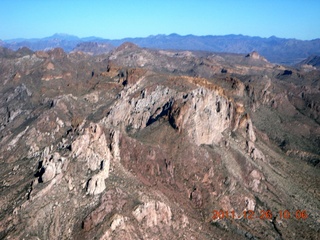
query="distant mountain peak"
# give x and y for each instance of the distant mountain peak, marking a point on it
(64, 36)
(174, 35)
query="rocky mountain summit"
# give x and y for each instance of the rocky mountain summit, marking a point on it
(151, 144)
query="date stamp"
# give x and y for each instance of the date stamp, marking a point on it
(262, 214)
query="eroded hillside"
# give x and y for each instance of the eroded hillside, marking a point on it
(146, 144)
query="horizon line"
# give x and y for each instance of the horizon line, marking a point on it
(151, 35)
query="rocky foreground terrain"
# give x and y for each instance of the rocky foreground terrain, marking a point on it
(146, 144)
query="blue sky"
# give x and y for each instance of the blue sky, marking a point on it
(123, 18)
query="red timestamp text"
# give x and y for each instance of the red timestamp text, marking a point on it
(262, 214)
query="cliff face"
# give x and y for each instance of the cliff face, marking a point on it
(142, 144)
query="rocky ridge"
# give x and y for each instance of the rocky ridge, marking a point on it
(146, 144)
(276, 50)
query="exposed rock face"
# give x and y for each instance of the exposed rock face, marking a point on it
(208, 114)
(203, 113)
(146, 144)
(52, 164)
(140, 112)
(153, 214)
(91, 147)
(255, 55)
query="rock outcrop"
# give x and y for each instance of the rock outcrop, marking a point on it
(153, 213)
(256, 56)
(152, 144)
(91, 147)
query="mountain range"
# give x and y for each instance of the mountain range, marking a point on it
(156, 144)
(274, 49)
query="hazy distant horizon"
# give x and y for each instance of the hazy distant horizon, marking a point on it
(151, 35)
(130, 19)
